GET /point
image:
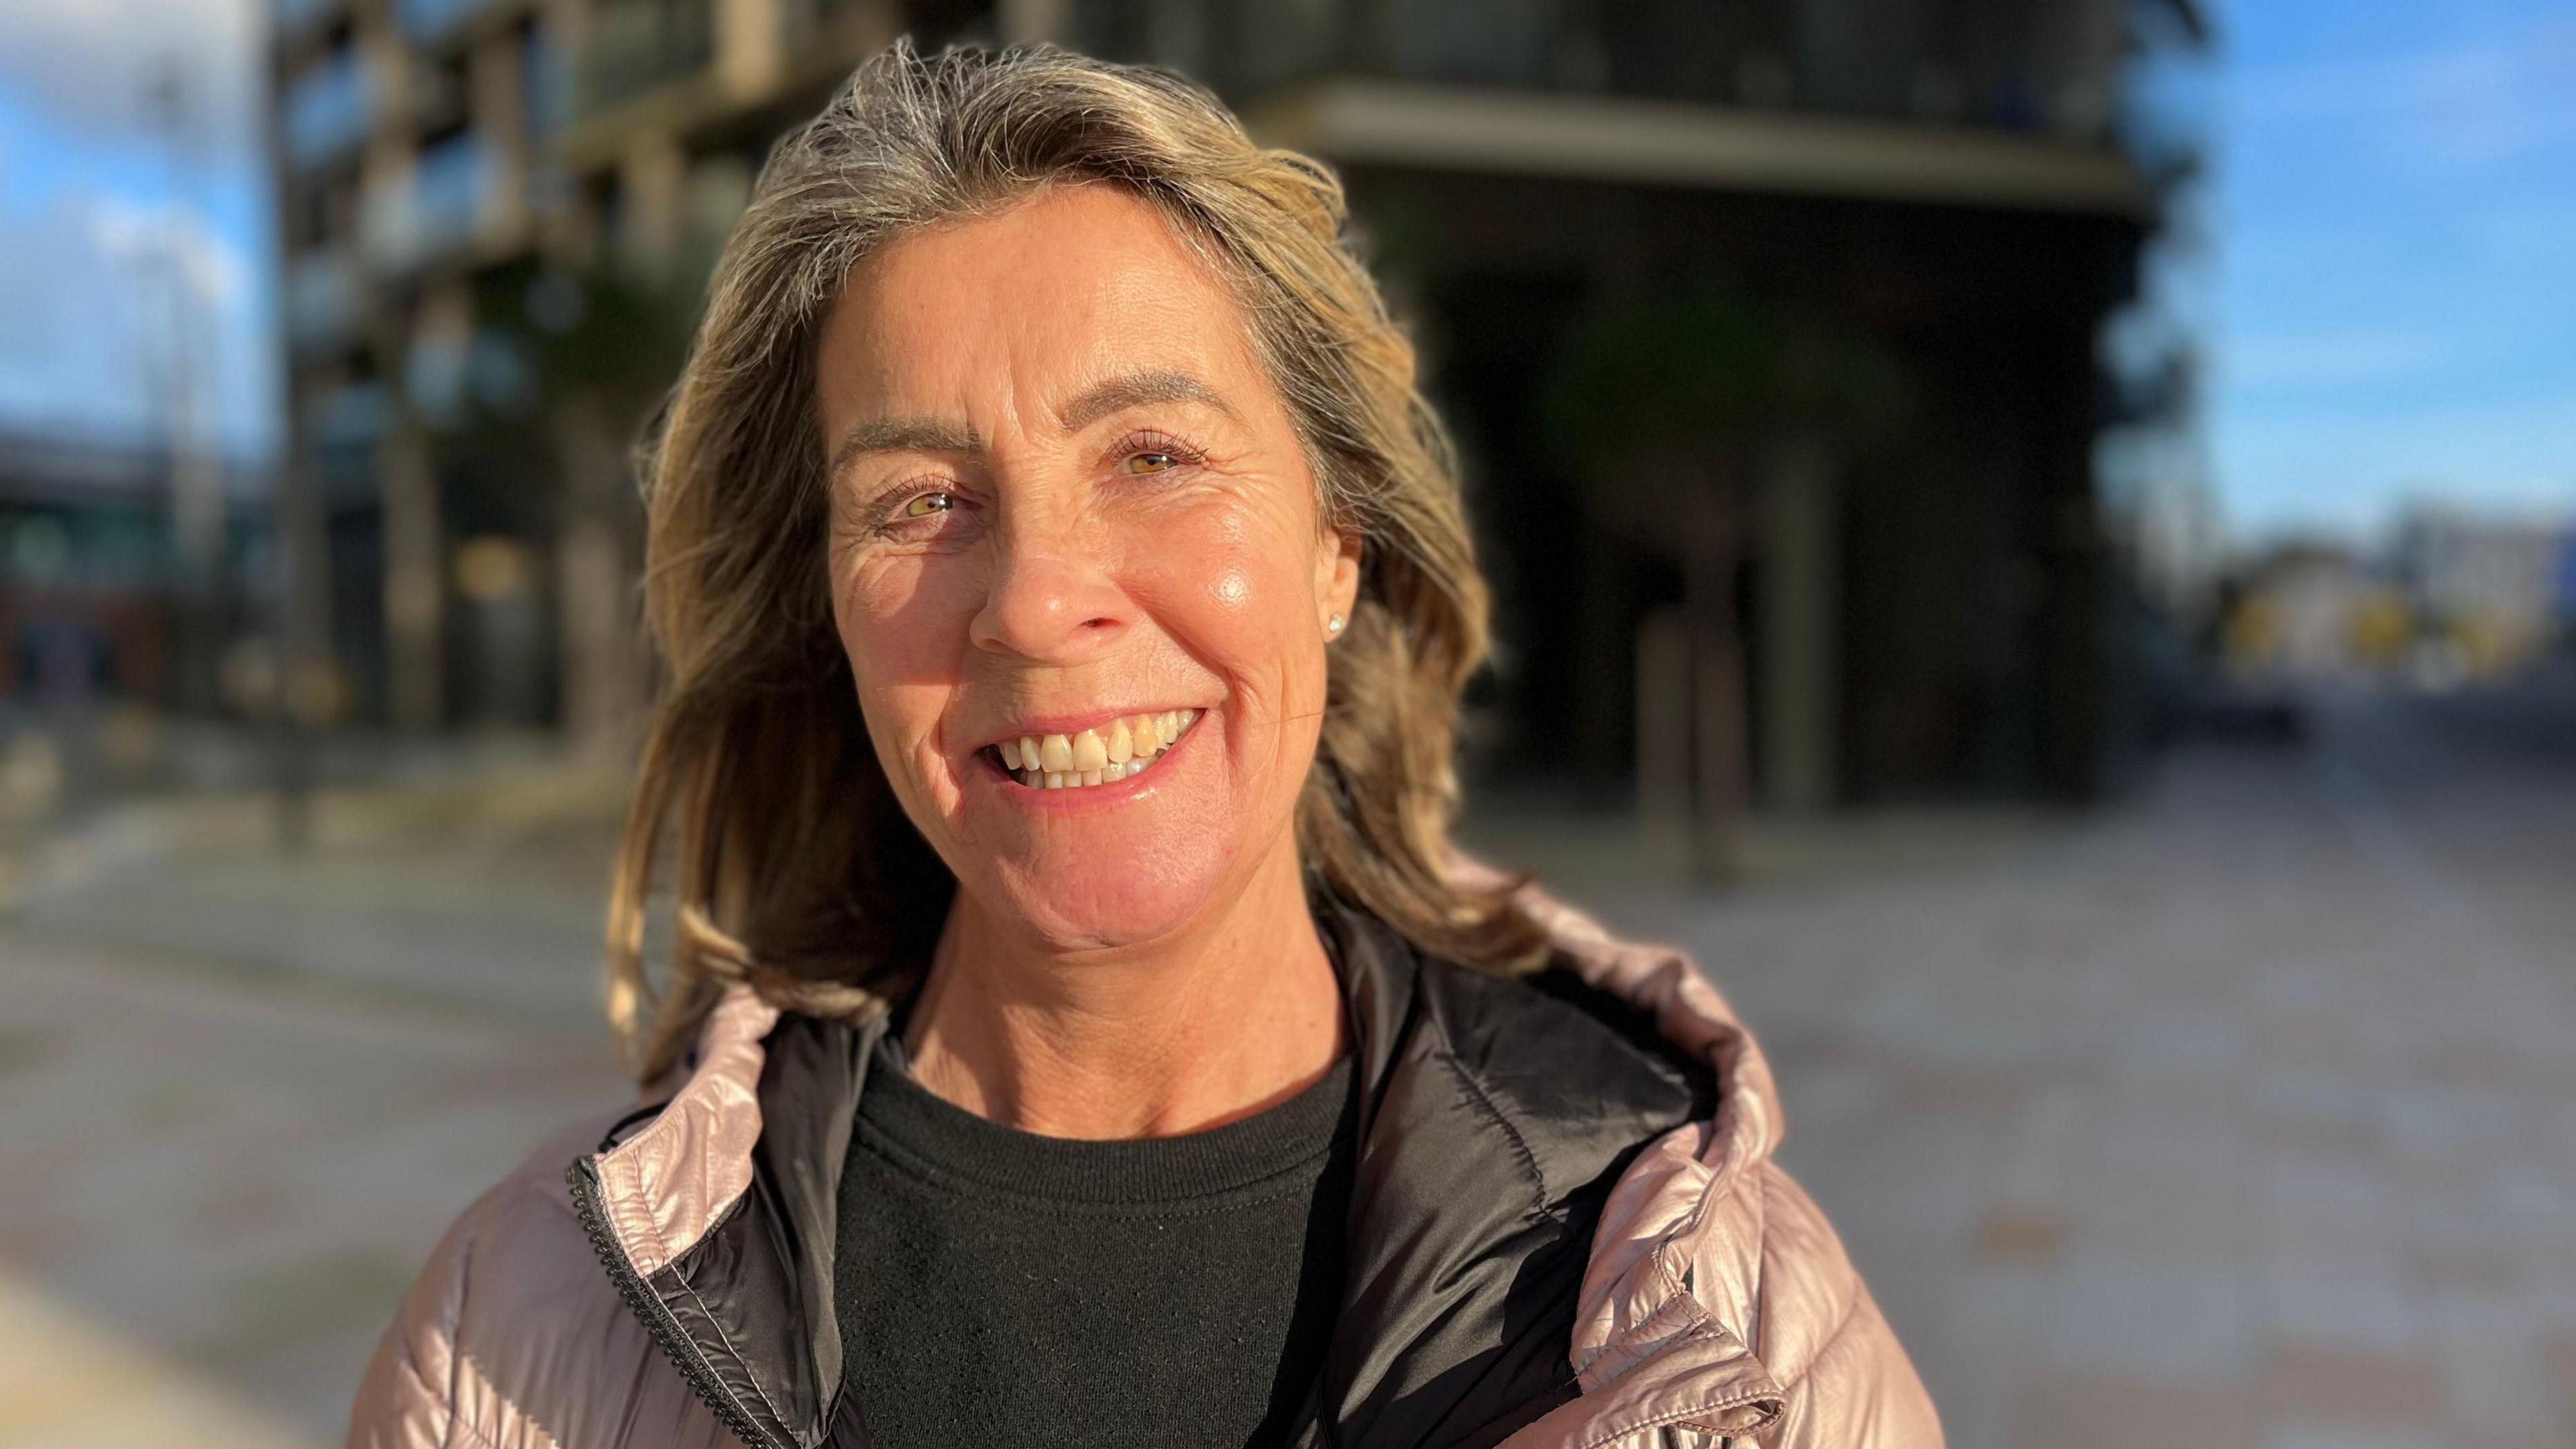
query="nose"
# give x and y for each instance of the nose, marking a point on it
(1053, 600)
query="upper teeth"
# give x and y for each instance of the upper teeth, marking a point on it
(1095, 756)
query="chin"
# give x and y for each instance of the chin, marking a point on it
(1102, 907)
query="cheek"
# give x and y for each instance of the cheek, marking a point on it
(1231, 591)
(903, 624)
(901, 620)
(1236, 593)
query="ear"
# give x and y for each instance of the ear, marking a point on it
(1337, 575)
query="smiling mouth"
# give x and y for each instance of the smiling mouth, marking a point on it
(1127, 747)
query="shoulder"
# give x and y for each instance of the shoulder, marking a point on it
(1845, 1377)
(1579, 1078)
(1706, 1231)
(1563, 1046)
(512, 1332)
(526, 1220)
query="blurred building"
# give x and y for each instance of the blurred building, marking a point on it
(1879, 238)
(2567, 587)
(2315, 613)
(1896, 587)
(84, 609)
(2491, 589)
(96, 606)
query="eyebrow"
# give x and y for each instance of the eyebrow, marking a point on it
(903, 435)
(1100, 400)
(1136, 389)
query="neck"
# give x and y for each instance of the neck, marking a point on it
(1234, 1014)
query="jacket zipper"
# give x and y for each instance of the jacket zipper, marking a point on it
(583, 1176)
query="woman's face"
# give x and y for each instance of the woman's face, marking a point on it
(1066, 504)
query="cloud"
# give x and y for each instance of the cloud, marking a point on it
(98, 207)
(87, 64)
(86, 344)
(164, 235)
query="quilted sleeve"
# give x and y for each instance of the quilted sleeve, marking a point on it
(1847, 1382)
(406, 1397)
(510, 1281)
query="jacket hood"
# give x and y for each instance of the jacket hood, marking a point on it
(1597, 1131)
(1670, 1312)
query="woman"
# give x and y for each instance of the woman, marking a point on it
(1078, 1030)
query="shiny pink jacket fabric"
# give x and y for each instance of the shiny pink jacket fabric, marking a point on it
(1719, 1308)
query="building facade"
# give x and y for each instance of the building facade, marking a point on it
(89, 611)
(2495, 591)
(1859, 555)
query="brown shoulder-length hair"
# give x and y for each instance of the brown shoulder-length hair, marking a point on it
(792, 865)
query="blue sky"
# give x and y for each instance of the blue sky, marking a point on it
(98, 212)
(2387, 303)
(2395, 221)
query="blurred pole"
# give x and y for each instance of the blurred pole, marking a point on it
(1664, 726)
(603, 658)
(1717, 670)
(652, 179)
(415, 592)
(750, 49)
(1026, 22)
(196, 477)
(1801, 635)
(1604, 627)
(304, 683)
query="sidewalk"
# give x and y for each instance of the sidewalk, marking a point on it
(481, 895)
(2236, 1116)
(246, 1090)
(2239, 1118)
(219, 1186)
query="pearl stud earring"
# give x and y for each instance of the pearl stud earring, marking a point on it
(1334, 624)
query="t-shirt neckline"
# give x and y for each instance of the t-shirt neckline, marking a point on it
(937, 1139)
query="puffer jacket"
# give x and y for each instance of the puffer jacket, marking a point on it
(1600, 1134)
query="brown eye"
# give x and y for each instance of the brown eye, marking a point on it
(1151, 462)
(928, 504)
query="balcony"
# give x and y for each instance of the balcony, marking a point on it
(292, 20)
(327, 110)
(635, 45)
(343, 426)
(2047, 70)
(426, 22)
(1981, 103)
(321, 300)
(546, 74)
(437, 213)
(348, 417)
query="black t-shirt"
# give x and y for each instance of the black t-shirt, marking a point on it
(1000, 1288)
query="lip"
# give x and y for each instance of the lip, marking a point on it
(1074, 724)
(1089, 797)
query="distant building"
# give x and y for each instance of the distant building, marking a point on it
(2491, 588)
(1890, 595)
(2567, 583)
(94, 608)
(2319, 614)
(84, 614)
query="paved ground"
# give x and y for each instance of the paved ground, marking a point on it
(2238, 1116)
(216, 1188)
(2242, 1117)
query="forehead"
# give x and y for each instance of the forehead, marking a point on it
(1068, 286)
